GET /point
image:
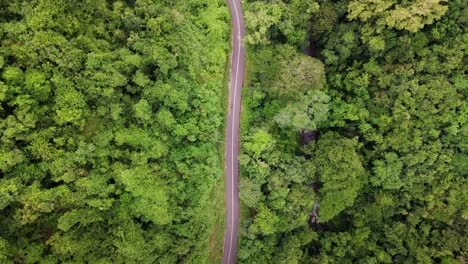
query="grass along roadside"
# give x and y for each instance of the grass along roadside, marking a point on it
(217, 220)
(218, 202)
(244, 211)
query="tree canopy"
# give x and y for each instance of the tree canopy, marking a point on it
(111, 114)
(386, 95)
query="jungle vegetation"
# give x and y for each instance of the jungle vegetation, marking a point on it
(380, 99)
(111, 117)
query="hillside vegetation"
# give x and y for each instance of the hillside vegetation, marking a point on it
(385, 90)
(110, 120)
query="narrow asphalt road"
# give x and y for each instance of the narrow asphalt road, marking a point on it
(232, 132)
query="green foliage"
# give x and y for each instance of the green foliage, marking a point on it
(388, 172)
(265, 222)
(249, 192)
(109, 120)
(337, 166)
(260, 19)
(411, 15)
(267, 21)
(308, 113)
(389, 165)
(143, 110)
(258, 143)
(325, 19)
(299, 75)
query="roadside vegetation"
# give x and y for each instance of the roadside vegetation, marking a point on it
(111, 118)
(372, 128)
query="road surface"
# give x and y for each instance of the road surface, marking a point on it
(232, 132)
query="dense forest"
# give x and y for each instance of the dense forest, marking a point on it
(111, 118)
(354, 132)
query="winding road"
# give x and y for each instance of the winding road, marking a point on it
(232, 132)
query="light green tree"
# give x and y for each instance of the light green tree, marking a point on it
(299, 75)
(310, 112)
